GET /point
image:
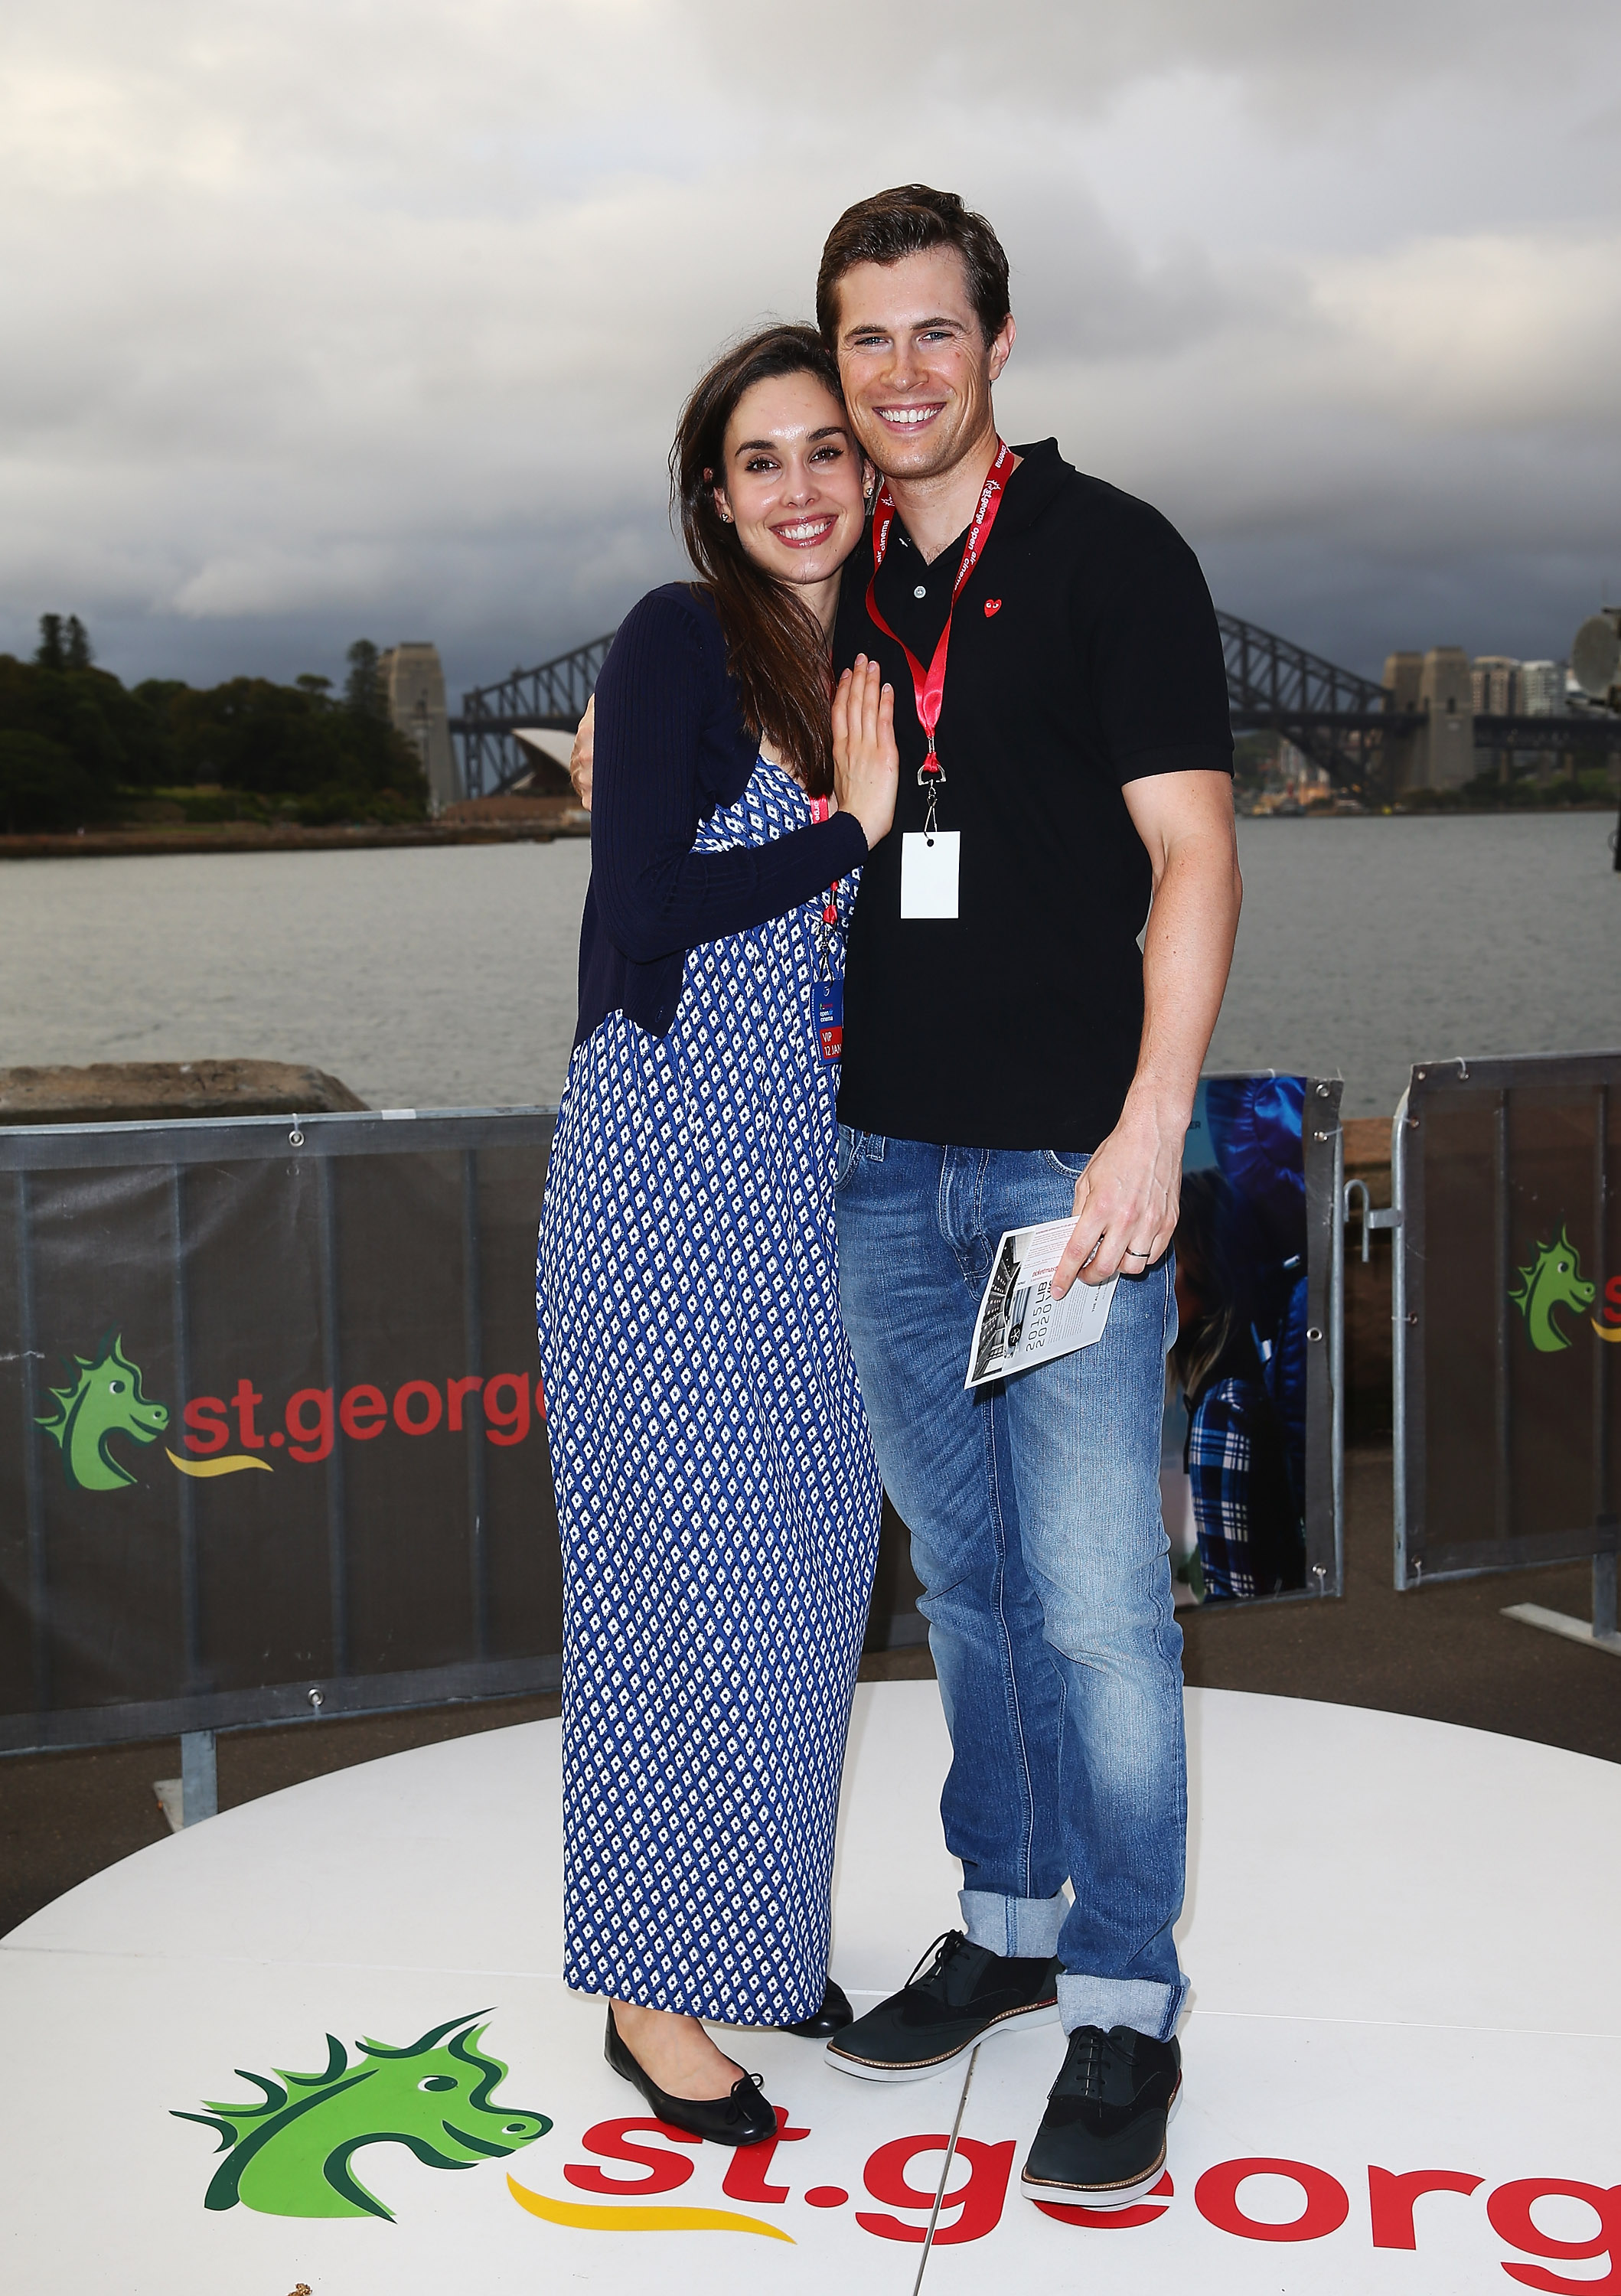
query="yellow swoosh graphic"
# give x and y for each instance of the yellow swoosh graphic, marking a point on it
(232, 1464)
(639, 2219)
(1610, 1331)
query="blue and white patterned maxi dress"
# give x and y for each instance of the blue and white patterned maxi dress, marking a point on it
(717, 1493)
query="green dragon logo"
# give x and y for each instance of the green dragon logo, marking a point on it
(106, 1399)
(290, 2155)
(1552, 1280)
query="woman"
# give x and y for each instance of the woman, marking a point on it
(1251, 1540)
(717, 1493)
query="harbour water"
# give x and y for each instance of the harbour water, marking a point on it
(446, 978)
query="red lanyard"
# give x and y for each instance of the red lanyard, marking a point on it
(929, 686)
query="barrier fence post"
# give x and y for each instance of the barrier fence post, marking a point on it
(199, 1777)
(1604, 1598)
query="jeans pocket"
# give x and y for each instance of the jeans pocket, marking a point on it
(1070, 1161)
(845, 1152)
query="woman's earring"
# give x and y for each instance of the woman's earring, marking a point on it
(867, 491)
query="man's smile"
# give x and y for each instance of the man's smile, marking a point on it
(909, 418)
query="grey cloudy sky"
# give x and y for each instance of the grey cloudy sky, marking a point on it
(328, 318)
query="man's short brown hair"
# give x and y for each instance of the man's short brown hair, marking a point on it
(909, 220)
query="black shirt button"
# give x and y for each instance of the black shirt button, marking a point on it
(921, 591)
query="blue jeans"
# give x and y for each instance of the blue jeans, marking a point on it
(1034, 1508)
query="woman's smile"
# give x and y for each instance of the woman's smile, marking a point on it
(805, 533)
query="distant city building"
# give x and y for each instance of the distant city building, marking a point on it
(1541, 689)
(413, 693)
(1495, 680)
(1507, 688)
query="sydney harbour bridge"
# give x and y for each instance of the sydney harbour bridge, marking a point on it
(1344, 723)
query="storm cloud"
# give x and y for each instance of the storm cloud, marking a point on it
(331, 318)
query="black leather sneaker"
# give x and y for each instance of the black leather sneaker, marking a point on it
(1101, 2140)
(957, 1995)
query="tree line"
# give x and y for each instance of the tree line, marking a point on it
(78, 747)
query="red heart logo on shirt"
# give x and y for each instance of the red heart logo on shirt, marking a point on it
(992, 606)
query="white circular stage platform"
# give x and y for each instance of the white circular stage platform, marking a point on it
(1401, 2069)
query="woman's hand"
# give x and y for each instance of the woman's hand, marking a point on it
(866, 763)
(580, 757)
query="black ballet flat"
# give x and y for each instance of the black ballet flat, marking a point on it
(741, 2117)
(834, 2014)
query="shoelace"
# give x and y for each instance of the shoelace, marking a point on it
(1088, 2067)
(935, 1957)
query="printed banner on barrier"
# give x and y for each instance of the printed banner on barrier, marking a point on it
(275, 1417)
(1508, 1340)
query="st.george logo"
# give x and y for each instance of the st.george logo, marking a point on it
(290, 2151)
(1554, 1281)
(105, 1400)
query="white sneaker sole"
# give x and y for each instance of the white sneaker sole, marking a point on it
(1018, 2020)
(1113, 2196)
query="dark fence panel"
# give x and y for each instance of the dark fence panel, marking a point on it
(271, 1436)
(1508, 1314)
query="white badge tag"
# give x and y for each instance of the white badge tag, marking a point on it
(929, 873)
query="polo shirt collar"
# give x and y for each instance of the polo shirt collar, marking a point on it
(1041, 475)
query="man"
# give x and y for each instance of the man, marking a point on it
(1009, 1057)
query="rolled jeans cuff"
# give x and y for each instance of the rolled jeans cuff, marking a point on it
(1025, 1927)
(1140, 2002)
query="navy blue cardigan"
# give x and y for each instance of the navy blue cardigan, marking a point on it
(670, 747)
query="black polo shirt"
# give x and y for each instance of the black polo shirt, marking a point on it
(1084, 655)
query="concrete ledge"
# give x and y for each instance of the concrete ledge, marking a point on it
(147, 1091)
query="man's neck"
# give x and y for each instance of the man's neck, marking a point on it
(935, 510)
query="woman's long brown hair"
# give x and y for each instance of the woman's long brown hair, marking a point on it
(774, 647)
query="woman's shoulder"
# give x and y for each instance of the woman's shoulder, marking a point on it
(676, 616)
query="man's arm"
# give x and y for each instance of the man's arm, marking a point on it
(580, 757)
(1127, 1199)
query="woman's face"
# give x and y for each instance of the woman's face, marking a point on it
(792, 478)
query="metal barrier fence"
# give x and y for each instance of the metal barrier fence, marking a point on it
(273, 1443)
(1507, 1309)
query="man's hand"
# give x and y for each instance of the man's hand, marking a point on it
(1127, 1199)
(580, 757)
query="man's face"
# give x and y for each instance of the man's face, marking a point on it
(917, 371)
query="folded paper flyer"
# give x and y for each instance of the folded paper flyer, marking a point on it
(1019, 1323)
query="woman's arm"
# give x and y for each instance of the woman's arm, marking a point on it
(656, 897)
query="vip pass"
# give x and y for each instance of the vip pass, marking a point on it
(827, 989)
